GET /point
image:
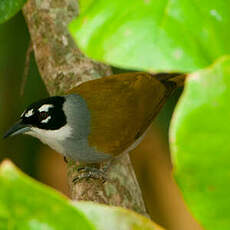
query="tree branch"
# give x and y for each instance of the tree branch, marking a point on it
(62, 66)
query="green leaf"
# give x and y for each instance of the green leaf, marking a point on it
(8, 8)
(114, 218)
(199, 137)
(154, 35)
(84, 5)
(28, 205)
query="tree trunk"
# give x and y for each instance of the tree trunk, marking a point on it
(62, 66)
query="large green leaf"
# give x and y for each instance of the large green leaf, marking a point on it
(84, 5)
(27, 205)
(154, 35)
(114, 218)
(199, 137)
(8, 8)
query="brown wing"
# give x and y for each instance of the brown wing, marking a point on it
(122, 107)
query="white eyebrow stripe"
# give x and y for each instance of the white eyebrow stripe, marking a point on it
(46, 120)
(45, 108)
(29, 113)
(22, 114)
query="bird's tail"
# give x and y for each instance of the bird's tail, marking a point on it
(177, 79)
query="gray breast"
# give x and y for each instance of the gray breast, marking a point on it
(78, 117)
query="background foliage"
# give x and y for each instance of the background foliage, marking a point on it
(154, 35)
(9, 8)
(199, 140)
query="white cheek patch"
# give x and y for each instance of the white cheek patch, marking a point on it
(53, 138)
(22, 114)
(29, 113)
(60, 134)
(46, 120)
(45, 108)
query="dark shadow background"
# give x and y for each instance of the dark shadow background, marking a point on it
(151, 159)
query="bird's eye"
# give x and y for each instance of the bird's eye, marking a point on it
(43, 115)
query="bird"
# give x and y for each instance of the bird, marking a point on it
(101, 118)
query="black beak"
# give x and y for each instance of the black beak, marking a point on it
(17, 128)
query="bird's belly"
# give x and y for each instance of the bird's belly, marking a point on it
(81, 151)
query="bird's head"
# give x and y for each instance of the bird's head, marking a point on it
(44, 115)
(62, 122)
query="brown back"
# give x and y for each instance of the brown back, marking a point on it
(122, 108)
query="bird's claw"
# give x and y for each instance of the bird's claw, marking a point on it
(89, 172)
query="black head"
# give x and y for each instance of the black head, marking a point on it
(46, 114)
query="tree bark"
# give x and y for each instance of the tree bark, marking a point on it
(62, 66)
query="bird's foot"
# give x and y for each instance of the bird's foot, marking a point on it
(87, 172)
